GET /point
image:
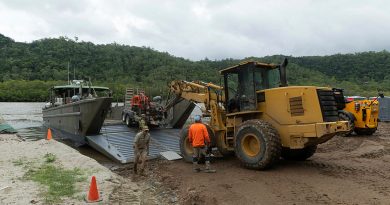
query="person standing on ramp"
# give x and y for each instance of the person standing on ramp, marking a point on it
(200, 140)
(142, 122)
(141, 149)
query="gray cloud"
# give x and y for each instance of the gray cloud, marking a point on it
(214, 29)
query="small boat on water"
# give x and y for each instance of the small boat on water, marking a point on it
(77, 110)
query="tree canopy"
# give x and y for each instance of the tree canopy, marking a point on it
(29, 69)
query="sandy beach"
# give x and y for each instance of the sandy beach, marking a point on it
(18, 156)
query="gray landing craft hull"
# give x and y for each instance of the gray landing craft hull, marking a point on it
(80, 118)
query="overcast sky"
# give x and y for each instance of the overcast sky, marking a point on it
(215, 29)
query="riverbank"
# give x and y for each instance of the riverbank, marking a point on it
(22, 159)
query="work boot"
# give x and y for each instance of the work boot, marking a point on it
(195, 167)
(208, 169)
(135, 168)
(142, 172)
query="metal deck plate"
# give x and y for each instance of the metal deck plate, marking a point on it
(170, 155)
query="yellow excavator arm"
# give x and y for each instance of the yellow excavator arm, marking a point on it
(196, 91)
(200, 92)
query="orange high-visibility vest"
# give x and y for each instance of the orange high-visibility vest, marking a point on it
(135, 100)
(198, 135)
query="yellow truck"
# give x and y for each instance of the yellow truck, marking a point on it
(362, 115)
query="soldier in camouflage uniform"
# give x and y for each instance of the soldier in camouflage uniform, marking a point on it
(142, 122)
(141, 149)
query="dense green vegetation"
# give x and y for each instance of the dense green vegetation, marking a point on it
(28, 70)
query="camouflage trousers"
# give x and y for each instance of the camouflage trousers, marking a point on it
(140, 157)
(199, 152)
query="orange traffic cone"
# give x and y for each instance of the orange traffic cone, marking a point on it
(48, 136)
(93, 194)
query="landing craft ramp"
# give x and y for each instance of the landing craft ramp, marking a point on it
(116, 139)
(116, 142)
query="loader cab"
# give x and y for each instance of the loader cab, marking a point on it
(243, 82)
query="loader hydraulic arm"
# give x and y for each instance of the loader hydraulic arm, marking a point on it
(200, 92)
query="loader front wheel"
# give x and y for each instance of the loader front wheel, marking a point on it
(298, 154)
(257, 144)
(185, 145)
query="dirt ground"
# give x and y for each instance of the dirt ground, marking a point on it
(344, 170)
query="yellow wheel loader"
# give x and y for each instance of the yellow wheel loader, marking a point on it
(362, 115)
(260, 119)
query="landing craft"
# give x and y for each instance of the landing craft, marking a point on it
(77, 110)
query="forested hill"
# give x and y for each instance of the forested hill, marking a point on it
(28, 69)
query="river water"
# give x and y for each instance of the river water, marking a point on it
(26, 118)
(22, 115)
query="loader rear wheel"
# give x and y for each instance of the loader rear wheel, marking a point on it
(365, 131)
(351, 124)
(298, 154)
(257, 144)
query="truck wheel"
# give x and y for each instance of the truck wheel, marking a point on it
(128, 121)
(365, 131)
(345, 116)
(123, 117)
(185, 145)
(257, 144)
(298, 154)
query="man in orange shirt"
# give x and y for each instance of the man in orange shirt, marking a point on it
(200, 140)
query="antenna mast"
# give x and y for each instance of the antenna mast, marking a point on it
(68, 74)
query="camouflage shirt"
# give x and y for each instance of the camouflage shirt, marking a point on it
(141, 140)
